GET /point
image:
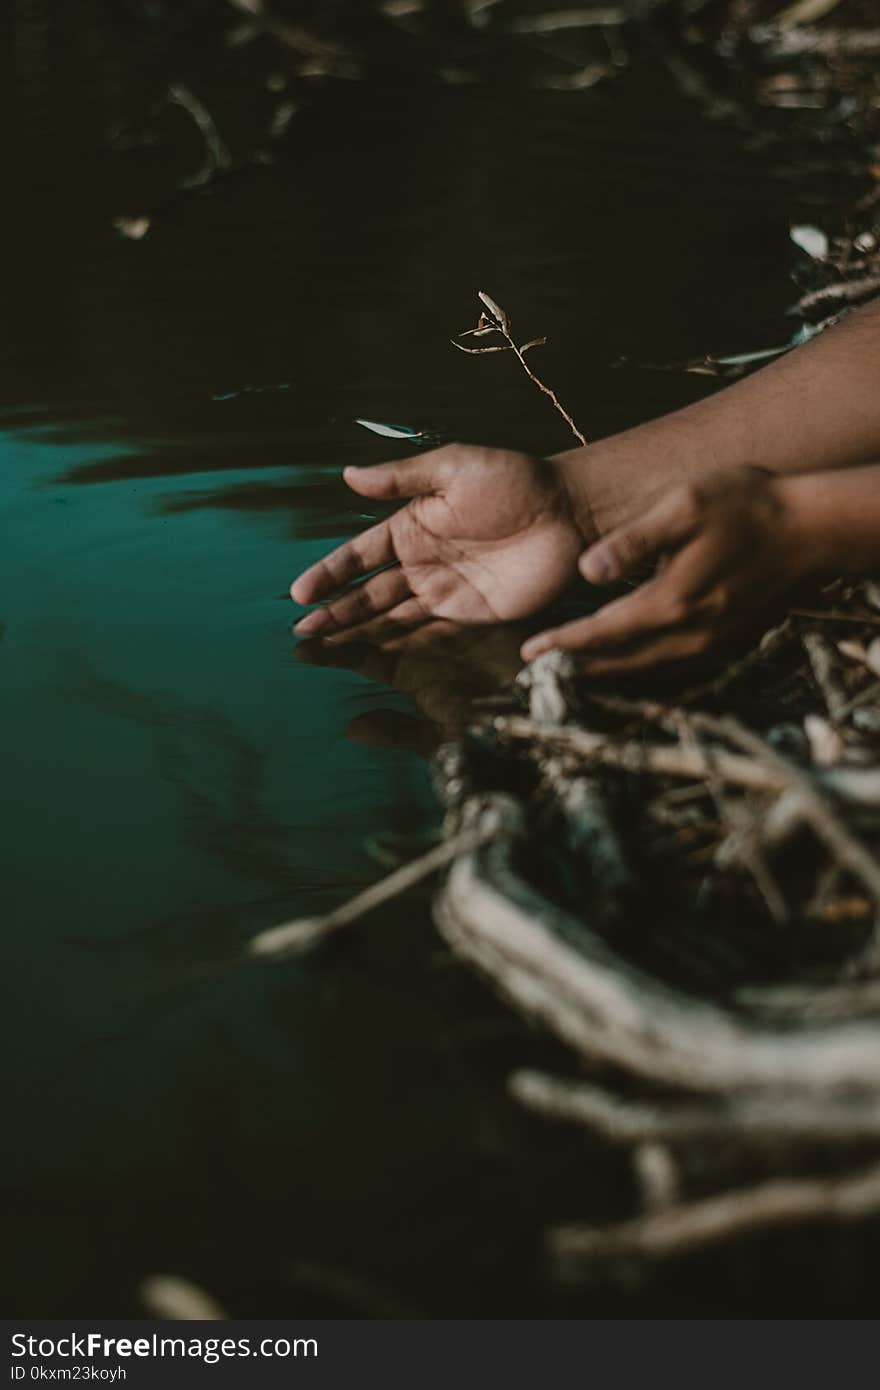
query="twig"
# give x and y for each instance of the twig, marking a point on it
(497, 321)
(743, 843)
(292, 938)
(817, 810)
(837, 1122)
(861, 785)
(690, 1226)
(823, 664)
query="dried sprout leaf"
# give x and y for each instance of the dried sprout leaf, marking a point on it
(533, 342)
(496, 311)
(826, 743)
(502, 347)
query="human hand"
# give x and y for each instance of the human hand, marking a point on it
(444, 668)
(731, 546)
(487, 536)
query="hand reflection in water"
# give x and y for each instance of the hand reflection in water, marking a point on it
(443, 669)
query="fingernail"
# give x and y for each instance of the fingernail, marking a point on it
(597, 566)
(312, 622)
(529, 650)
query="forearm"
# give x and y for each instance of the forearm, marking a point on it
(835, 521)
(817, 408)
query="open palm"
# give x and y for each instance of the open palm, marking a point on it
(486, 537)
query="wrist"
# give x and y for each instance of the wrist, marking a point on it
(612, 481)
(810, 536)
(571, 471)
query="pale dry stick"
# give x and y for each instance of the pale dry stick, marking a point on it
(217, 156)
(693, 1225)
(823, 43)
(846, 292)
(499, 322)
(834, 615)
(773, 640)
(810, 1004)
(855, 784)
(823, 664)
(760, 1118)
(558, 971)
(743, 841)
(291, 938)
(596, 16)
(657, 1175)
(663, 760)
(864, 697)
(765, 769)
(818, 812)
(170, 1296)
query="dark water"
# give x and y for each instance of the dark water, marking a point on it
(331, 1137)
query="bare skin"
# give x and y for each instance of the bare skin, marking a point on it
(493, 535)
(442, 667)
(735, 545)
(489, 536)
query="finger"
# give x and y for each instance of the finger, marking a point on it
(399, 621)
(359, 605)
(643, 611)
(623, 550)
(682, 645)
(368, 551)
(365, 660)
(387, 728)
(433, 638)
(410, 477)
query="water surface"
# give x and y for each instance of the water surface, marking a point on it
(329, 1137)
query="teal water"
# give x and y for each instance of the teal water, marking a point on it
(329, 1137)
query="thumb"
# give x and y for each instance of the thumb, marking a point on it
(411, 477)
(628, 547)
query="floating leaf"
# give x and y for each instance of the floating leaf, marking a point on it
(811, 240)
(390, 431)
